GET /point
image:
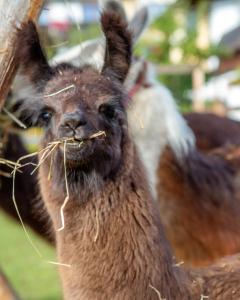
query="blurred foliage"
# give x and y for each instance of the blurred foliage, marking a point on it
(177, 29)
(175, 34)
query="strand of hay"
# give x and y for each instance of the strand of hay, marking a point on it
(179, 264)
(17, 166)
(5, 174)
(9, 164)
(58, 263)
(16, 206)
(97, 230)
(47, 152)
(157, 292)
(60, 91)
(14, 118)
(67, 190)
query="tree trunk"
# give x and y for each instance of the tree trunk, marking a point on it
(12, 15)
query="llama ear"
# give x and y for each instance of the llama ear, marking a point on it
(33, 73)
(139, 23)
(30, 56)
(118, 50)
(114, 5)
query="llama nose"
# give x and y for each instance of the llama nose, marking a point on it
(74, 120)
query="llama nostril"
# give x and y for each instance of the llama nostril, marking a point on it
(74, 121)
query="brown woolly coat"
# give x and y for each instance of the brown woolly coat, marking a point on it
(116, 248)
(199, 205)
(213, 131)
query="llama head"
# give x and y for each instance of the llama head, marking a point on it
(76, 103)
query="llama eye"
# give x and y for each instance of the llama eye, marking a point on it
(45, 117)
(108, 111)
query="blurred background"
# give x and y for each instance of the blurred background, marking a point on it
(195, 47)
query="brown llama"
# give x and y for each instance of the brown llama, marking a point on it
(113, 239)
(212, 131)
(199, 205)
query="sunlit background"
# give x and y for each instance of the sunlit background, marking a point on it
(195, 47)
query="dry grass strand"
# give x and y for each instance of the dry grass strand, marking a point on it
(157, 292)
(14, 118)
(60, 91)
(67, 190)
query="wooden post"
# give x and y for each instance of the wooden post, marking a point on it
(12, 15)
(198, 80)
(203, 41)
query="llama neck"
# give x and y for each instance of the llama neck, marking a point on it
(114, 242)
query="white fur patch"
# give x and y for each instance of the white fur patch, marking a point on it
(163, 126)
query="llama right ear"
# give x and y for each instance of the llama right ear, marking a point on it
(30, 56)
(118, 51)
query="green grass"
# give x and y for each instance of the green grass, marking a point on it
(33, 278)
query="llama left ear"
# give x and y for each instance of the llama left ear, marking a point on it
(118, 51)
(30, 55)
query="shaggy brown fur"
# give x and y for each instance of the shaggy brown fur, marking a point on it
(113, 238)
(213, 131)
(199, 206)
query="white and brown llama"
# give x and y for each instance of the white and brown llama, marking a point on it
(113, 238)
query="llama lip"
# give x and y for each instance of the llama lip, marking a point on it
(78, 141)
(78, 153)
(74, 144)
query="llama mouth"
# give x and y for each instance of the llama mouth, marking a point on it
(76, 148)
(77, 142)
(74, 144)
